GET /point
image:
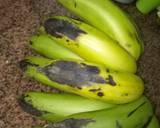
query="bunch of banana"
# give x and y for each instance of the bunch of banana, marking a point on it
(96, 61)
(85, 79)
(111, 20)
(83, 40)
(71, 111)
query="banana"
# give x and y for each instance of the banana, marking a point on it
(46, 46)
(153, 123)
(85, 79)
(89, 43)
(132, 115)
(58, 106)
(110, 19)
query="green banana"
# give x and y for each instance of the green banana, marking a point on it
(132, 115)
(110, 19)
(85, 79)
(89, 43)
(46, 46)
(153, 123)
(58, 106)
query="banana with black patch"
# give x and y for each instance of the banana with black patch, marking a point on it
(110, 19)
(85, 79)
(89, 43)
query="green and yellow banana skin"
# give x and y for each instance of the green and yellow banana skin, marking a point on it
(59, 106)
(110, 86)
(89, 43)
(109, 18)
(132, 115)
(46, 46)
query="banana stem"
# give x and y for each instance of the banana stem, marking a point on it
(145, 6)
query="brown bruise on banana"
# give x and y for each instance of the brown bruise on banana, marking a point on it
(100, 94)
(28, 107)
(95, 90)
(73, 74)
(110, 80)
(71, 123)
(61, 27)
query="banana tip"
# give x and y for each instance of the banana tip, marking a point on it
(28, 107)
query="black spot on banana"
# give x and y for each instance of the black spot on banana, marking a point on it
(71, 123)
(115, 117)
(83, 78)
(28, 107)
(59, 28)
(110, 19)
(86, 42)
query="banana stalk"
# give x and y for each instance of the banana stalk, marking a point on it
(48, 47)
(59, 106)
(85, 79)
(110, 19)
(136, 114)
(89, 43)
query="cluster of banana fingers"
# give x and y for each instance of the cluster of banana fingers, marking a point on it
(94, 60)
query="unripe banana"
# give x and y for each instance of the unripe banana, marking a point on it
(85, 79)
(110, 19)
(59, 106)
(153, 123)
(89, 43)
(46, 46)
(132, 115)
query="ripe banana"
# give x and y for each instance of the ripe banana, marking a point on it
(59, 106)
(89, 43)
(85, 79)
(132, 115)
(110, 19)
(46, 46)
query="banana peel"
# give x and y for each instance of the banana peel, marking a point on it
(85, 79)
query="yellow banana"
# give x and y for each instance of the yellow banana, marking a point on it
(85, 79)
(107, 17)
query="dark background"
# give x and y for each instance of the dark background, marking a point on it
(19, 19)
